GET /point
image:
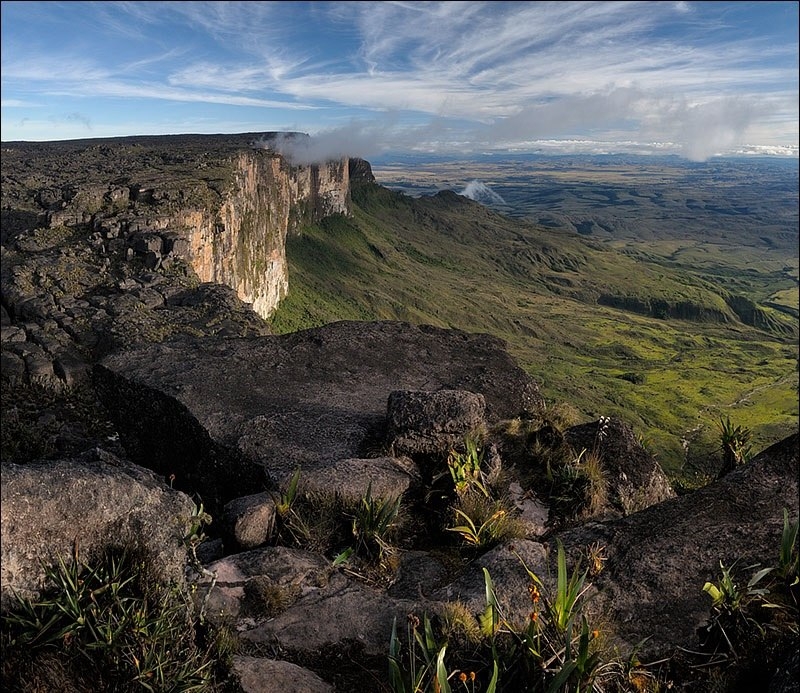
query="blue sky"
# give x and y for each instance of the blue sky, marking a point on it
(691, 78)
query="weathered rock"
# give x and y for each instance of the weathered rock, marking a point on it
(259, 675)
(341, 611)
(635, 479)
(232, 198)
(533, 512)
(433, 422)
(506, 565)
(249, 521)
(255, 585)
(659, 558)
(91, 503)
(12, 368)
(71, 369)
(419, 573)
(216, 412)
(385, 477)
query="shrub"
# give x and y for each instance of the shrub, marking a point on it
(735, 443)
(482, 522)
(108, 623)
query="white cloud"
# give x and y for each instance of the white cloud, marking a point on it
(436, 74)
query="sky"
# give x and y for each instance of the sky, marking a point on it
(696, 79)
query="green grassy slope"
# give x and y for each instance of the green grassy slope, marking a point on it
(447, 261)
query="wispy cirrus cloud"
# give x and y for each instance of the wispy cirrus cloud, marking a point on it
(703, 77)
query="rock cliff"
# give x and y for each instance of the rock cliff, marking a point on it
(223, 204)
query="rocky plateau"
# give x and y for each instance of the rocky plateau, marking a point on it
(140, 378)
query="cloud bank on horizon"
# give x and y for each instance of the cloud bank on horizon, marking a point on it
(697, 79)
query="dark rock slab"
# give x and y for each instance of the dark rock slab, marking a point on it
(228, 416)
(433, 422)
(250, 587)
(342, 611)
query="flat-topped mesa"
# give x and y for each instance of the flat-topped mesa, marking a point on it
(222, 203)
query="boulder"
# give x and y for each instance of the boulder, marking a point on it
(658, 559)
(249, 521)
(386, 477)
(249, 587)
(87, 504)
(506, 565)
(433, 422)
(634, 477)
(259, 675)
(343, 611)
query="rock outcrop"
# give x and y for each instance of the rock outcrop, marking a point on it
(222, 204)
(230, 417)
(659, 558)
(633, 477)
(55, 509)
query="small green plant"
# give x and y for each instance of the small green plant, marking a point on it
(579, 486)
(422, 668)
(482, 522)
(372, 522)
(747, 618)
(732, 606)
(569, 589)
(465, 468)
(596, 557)
(554, 651)
(291, 527)
(735, 443)
(459, 624)
(544, 654)
(130, 633)
(285, 501)
(196, 534)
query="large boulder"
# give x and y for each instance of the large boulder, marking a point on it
(658, 559)
(634, 477)
(230, 416)
(433, 422)
(90, 504)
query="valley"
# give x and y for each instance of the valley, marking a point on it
(612, 284)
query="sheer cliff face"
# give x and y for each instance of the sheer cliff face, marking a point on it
(243, 243)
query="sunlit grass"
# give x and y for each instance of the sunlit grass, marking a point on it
(463, 267)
